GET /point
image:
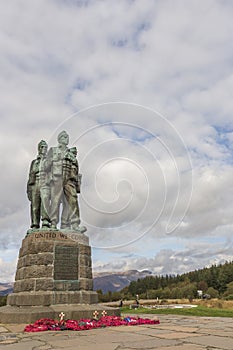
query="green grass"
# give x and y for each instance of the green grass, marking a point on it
(196, 311)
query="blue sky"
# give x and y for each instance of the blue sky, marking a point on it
(144, 89)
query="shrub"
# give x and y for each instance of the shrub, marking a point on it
(3, 300)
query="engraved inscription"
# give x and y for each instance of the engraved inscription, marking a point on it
(55, 235)
(66, 263)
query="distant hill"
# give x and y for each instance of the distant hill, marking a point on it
(108, 281)
(6, 288)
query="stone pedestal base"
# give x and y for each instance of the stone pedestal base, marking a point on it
(30, 314)
(54, 274)
(52, 298)
(54, 267)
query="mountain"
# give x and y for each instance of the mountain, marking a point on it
(6, 288)
(108, 281)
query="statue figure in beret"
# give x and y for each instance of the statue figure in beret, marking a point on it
(38, 190)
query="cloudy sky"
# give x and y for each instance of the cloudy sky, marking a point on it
(144, 90)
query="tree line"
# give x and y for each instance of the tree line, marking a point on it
(215, 281)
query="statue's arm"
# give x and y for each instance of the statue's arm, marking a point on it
(31, 180)
(78, 183)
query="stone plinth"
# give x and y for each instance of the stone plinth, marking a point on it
(53, 268)
(54, 274)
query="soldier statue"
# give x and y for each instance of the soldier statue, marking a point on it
(71, 186)
(55, 162)
(38, 189)
(54, 181)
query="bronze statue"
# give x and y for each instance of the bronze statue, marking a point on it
(70, 213)
(38, 188)
(54, 181)
(55, 161)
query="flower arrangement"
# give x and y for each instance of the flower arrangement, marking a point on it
(46, 324)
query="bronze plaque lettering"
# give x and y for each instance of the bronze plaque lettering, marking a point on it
(66, 263)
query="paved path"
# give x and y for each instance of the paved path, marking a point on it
(173, 333)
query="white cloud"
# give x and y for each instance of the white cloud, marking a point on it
(61, 56)
(7, 270)
(170, 261)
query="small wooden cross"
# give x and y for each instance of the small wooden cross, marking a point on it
(95, 314)
(61, 315)
(104, 313)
